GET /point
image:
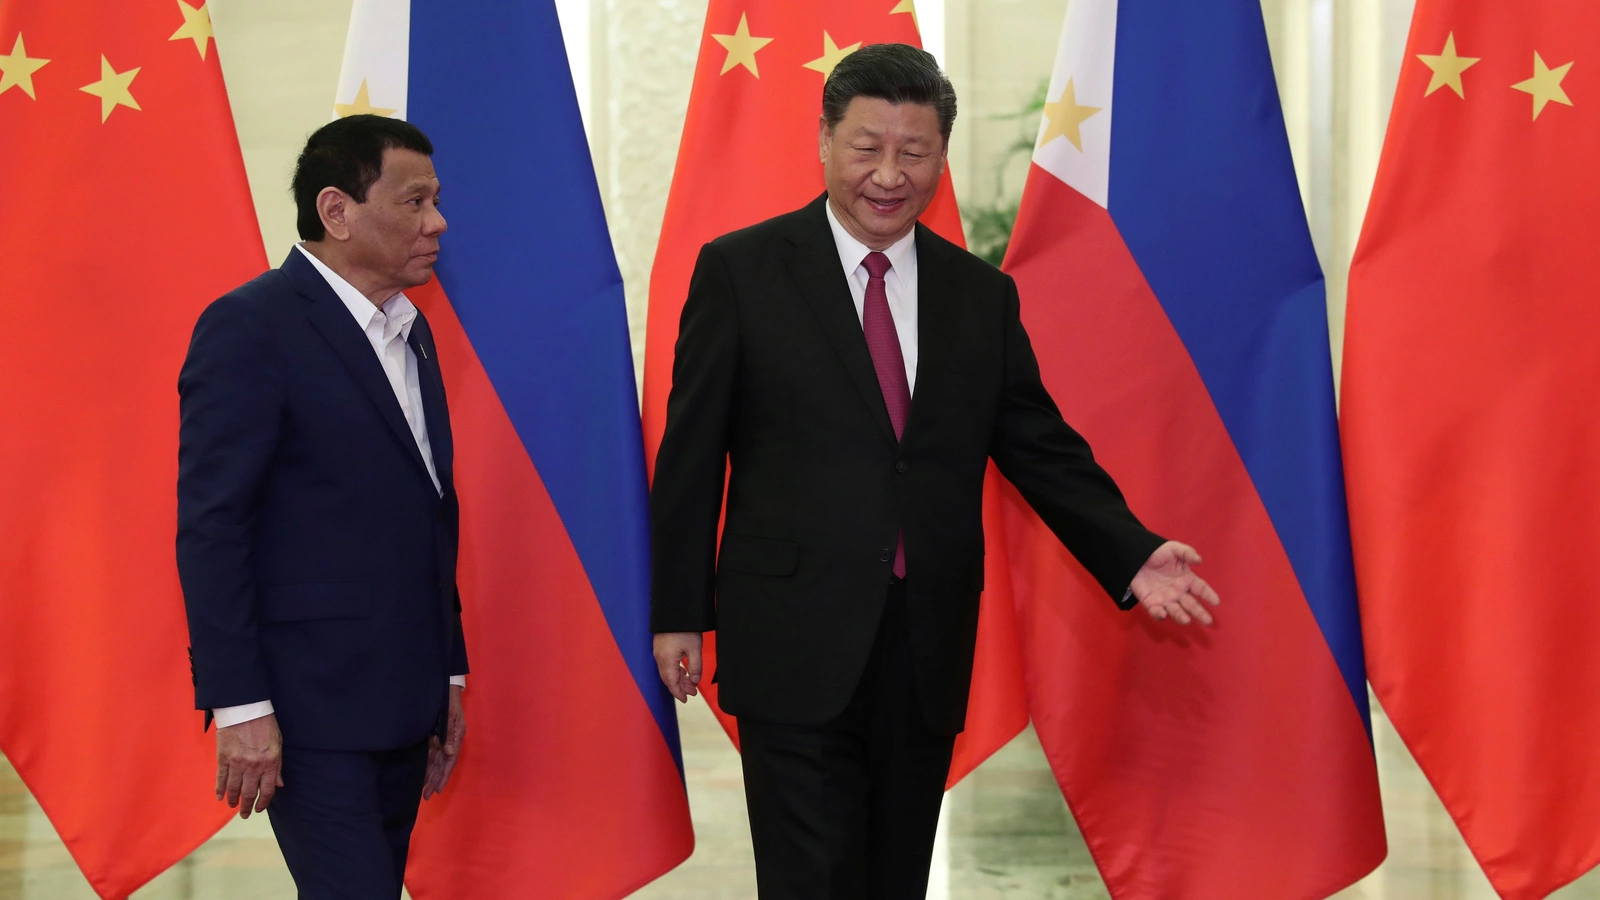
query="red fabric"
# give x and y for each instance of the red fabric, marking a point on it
(749, 152)
(1471, 439)
(115, 236)
(1225, 762)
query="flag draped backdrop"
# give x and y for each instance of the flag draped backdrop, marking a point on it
(569, 783)
(749, 152)
(126, 211)
(1470, 375)
(1170, 289)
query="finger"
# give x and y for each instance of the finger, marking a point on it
(1189, 554)
(1178, 615)
(431, 778)
(222, 777)
(249, 791)
(1157, 612)
(1194, 607)
(236, 776)
(694, 665)
(268, 789)
(444, 773)
(1204, 592)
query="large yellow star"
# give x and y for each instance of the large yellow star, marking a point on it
(1064, 116)
(831, 54)
(907, 6)
(741, 47)
(1447, 67)
(361, 106)
(17, 69)
(196, 26)
(1545, 85)
(112, 88)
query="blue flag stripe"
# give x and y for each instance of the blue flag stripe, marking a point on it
(533, 278)
(1203, 190)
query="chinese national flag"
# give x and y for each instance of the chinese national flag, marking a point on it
(125, 212)
(749, 152)
(1472, 365)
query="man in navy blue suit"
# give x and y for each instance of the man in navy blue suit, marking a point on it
(318, 523)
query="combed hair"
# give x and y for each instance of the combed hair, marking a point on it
(347, 154)
(898, 73)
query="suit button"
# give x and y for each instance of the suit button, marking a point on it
(900, 467)
(886, 556)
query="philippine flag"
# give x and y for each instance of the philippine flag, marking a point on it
(1170, 286)
(570, 781)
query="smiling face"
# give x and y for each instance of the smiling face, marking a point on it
(882, 163)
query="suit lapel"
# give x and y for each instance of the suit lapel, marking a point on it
(330, 317)
(814, 266)
(434, 410)
(938, 322)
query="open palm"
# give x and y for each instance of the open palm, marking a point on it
(1167, 586)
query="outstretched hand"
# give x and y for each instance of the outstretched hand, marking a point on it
(1168, 588)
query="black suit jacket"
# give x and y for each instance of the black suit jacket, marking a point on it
(318, 561)
(772, 375)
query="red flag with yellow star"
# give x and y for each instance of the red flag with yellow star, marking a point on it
(126, 212)
(1469, 424)
(748, 153)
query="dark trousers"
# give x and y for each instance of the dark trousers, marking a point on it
(848, 809)
(344, 819)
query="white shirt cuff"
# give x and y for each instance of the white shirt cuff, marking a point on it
(238, 715)
(459, 681)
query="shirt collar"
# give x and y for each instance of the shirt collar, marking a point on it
(398, 308)
(851, 251)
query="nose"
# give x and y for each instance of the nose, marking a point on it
(888, 174)
(433, 223)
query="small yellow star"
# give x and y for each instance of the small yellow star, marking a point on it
(1545, 85)
(361, 106)
(1064, 116)
(831, 54)
(907, 6)
(1447, 67)
(741, 47)
(112, 89)
(196, 26)
(17, 69)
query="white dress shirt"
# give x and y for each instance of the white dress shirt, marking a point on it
(387, 329)
(900, 285)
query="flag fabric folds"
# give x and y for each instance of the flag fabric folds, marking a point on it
(1171, 291)
(752, 126)
(1470, 372)
(569, 782)
(126, 212)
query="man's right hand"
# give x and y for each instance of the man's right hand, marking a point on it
(249, 764)
(678, 659)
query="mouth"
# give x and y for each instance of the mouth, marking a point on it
(428, 257)
(886, 206)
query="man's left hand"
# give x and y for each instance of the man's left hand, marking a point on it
(442, 754)
(1168, 588)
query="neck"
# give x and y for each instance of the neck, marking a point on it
(331, 255)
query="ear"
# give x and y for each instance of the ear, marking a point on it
(333, 206)
(824, 138)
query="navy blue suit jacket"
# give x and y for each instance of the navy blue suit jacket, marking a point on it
(318, 561)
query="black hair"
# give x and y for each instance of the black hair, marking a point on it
(347, 154)
(898, 73)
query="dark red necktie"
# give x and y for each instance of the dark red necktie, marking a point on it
(883, 342)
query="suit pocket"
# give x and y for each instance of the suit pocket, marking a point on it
(758, 556)
(316, 600)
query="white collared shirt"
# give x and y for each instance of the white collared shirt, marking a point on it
(388, 330)
(900, 285)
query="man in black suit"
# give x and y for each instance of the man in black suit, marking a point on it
(317, 521)
(858, 372)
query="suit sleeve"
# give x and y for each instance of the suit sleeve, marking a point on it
(458, 643)
(691, 467)
(230, 401)
(1053, 468)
